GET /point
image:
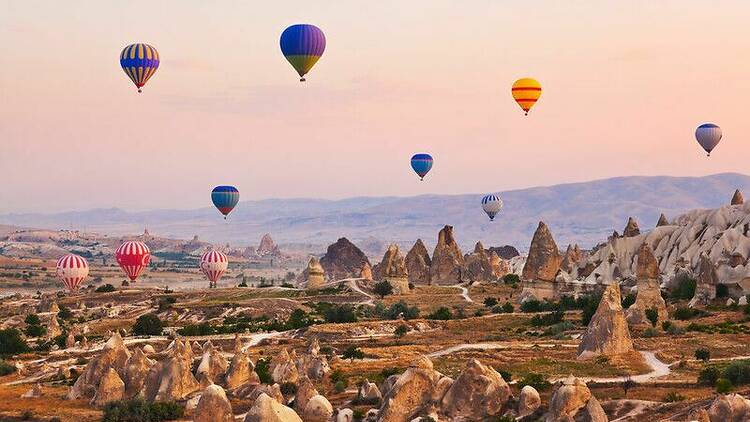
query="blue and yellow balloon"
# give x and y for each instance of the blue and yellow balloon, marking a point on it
(139, 61)
(302, 45)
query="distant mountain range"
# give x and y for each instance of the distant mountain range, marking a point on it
(584, 213)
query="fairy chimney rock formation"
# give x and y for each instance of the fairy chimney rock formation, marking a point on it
(631, 229)
(343, 260)
(571, 258)
(607, 333)
(418, 263)
(315, 276)
(267, 247)
(662, 221)
(572, 400)
(543, 261)
(705, 288)
(366, 271)
(447, 259)
(649, 291)
(477, 265)
(393, 269)
(737, 198)
(213, 406)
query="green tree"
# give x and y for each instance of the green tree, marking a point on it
(65, 313)
(383, 288)
(35, 331)
(32, 319)
(652, 314)
(148, 325)
(723, 386)
(11, 342)
(490, 302)
(352, 352)
(442, 313)
(508, 308)
(703, 354)
(400, 331)
(263, 369)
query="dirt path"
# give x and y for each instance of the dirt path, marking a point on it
(352, 283)
(464, 292)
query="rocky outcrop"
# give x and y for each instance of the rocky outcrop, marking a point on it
(366, 271)
(111, 388)
(543, 261)
(477, 265)
(528, 401)
(478, 393)
(729, 408)
(737, 198)
(136, 370)
(572, 401)
(631, 228)
(418, 263)
(241, 370)
(649, 290)
(705, 287)
(171, 379)
(393, 269)
(267, 247)
(607, 333)
(572, 256)
(213, 406)
(312, 364)
(53, 326)
(499, 266)
(283, 368)
(447, 259)
(213, 364)
(305, 391)
(343, 260)
(506, 252)
(412, 393)
(369, 393)
(266, 409)
(314, 275)
(662, 221)
(317, 409)
(114, 355)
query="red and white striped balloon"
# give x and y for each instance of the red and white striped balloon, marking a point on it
(213, 265)
(133, 256)
(72, 270)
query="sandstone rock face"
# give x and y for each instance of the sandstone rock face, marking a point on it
(366, 271)
(705, 288)
(345, 415)
(412, 392)
(136, 370)
(318, 409)
(392, 265)
(267, 247)
(500, 267)
(213, 406)
(528, 401)
(283, 368)
(729, 408)
(543, 261)
(170, 380)
(506, 252)
(662, 221)
(111, 388)
(53, 327)
(343, 260)
(478, 393)
(737, 198)
(241, 370)
(70, 341)
(314, 275)
(418, 263)
(607, 333)
(477, 265)
(447, 259)
(649, 291)
(267, 409)
(213, 364)
(571, 258)
(572, 400)
(114, 355)
(305, 391)
(368, 393)
(313, 365)
(631, 229)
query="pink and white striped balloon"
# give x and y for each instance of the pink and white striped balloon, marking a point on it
(72, 270)
(213, 265)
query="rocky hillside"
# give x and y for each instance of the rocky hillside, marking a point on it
(583, 213)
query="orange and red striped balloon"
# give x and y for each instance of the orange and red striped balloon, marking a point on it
(526, 92)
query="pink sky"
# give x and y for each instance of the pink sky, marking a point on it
(625, 85)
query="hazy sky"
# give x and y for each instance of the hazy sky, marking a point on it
(625, 84)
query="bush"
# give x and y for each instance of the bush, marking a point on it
(138, 410)
(666, 325)
(709, 375)
(685, 289)
(722, 290)
(649, 332)
(401, 331)
(490, 302)
(507, 376)
(723, 386)
(628, 300)
(65, 313)
(442, 314)
(35, 331)
(11, 342)
(738, 372)
(547, 319)
(400, 308)
(6, 368)
(652, 314)
(511, 279)
(383, 288)
(684, 313)
(340, 314)
(262, 368)
(538, 381)
(32, 319)
(352, 352)
(703, 354)
(166, 302)
(148, 325)
(288, 389)
(106, 288)
(508, 308)
(673, 397)
(339, 387)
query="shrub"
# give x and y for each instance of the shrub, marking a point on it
(288, 389)
(652, 314)
(684, 290)
(32, 319)
(547, 319)
(166, 302)
(387, 372)
(507, 376)
(589, 309)
(340, 314)
(673, 397)
(722, 290)
(138, 410)
(709, 375)
(400, 308)
(106, 288)
(352, 352)
(383, 288)
(401, 331)
(723, 386)
(559, 328)
(148, 325)
(508, 308)
(442, 313)
(6, 368)
(337, 375)
(11, 342)
(65, 313)
(242, 284)
(628, 300)
(666, 325)
(538, 381)
(684, 313)
(738, 372)
(703, 354)
(262, 368)
(649, 332)
(339, 387)
(511, 279)
(35, 331)
(490, 302)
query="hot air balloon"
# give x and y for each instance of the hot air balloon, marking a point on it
(72, 270)
(213, 265)
(526, 92)
(421, 163)
(133, 256)
(225, 198)
(302, 45)
(492, 205)
(139, 61)
(708, 135)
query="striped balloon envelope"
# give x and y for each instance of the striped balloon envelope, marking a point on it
(213, 266)
(491, 205)
(526, 92)
(133, 257)
(72, 270)
(225, 198)
(139, 61)
(421, 164)
(708, 136)
(302, 45)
